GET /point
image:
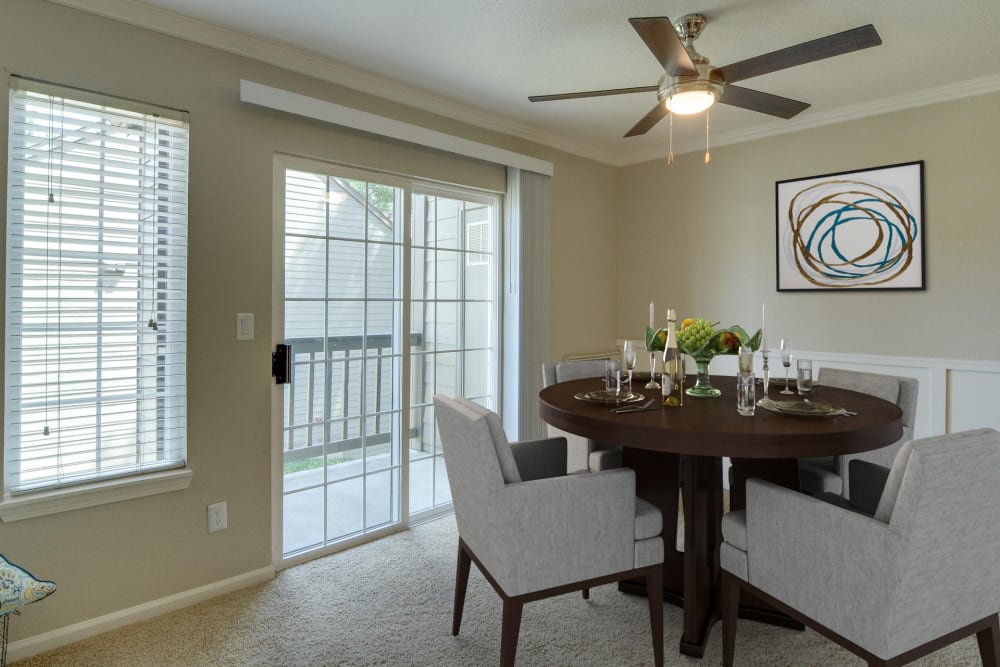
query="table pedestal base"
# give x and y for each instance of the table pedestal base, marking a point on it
(691, 578)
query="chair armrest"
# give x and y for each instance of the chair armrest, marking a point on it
(605, 457)
(549, 532)
(538, 459)
(821, 559)
(867, 482)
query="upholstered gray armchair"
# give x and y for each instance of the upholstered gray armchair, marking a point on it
(831, 474)
(535, 532)
(581, 453)
(917, 576)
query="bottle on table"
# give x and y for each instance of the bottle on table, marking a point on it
(673, 366)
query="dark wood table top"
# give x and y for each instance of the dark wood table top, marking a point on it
(712, 427)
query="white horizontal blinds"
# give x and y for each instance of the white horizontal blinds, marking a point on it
(96, 288)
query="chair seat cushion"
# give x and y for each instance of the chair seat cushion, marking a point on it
(734, 529)
(648, 520)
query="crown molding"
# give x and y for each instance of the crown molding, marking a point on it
(325, 69)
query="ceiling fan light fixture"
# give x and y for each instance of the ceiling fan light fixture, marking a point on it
(685, 95)
(691, 101)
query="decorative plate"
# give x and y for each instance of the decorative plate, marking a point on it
(608, 397)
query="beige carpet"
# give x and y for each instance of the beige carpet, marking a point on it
(389, 603)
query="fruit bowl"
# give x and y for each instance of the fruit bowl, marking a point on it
(699, 339)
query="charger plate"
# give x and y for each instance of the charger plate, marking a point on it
(608, 397)
(802, 408)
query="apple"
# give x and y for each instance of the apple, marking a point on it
(729, 341)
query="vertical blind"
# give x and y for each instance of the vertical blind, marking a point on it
(96, 285)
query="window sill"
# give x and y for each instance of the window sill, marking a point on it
(91, 495)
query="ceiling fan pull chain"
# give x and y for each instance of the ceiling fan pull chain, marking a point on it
(670, 152)
(708, 156)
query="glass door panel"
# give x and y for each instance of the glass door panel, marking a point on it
(348, 293)
(454, 307)
(342, 468)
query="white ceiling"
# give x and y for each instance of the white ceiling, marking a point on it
(479, 60)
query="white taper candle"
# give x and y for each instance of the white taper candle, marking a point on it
(763, 326)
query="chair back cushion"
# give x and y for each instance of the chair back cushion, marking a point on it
(501, 447)
(471, 461)
(907, 402)
(578, 448)
(469, 453)
(574, 370)
(885, 387)
(945, 512)
(548, 374)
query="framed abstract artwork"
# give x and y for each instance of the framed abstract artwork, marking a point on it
(852, 230)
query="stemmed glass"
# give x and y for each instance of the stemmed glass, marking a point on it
(786, 361)
(629, 358)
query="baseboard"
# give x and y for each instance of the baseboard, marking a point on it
(25, 648)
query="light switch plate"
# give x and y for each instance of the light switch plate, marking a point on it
(244, 326)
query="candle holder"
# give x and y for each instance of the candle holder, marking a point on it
(765, 372)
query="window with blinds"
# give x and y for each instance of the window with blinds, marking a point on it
(96, 288)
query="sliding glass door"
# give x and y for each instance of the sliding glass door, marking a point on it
(367, 257)
(454, 303)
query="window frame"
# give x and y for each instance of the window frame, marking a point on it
(144, 477)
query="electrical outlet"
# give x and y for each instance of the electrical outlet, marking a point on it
(217, 517)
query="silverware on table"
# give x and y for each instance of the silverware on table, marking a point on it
(648, 405)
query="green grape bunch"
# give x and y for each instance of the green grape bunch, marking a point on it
(695, 334)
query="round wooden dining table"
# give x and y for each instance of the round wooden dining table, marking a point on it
(661, 443)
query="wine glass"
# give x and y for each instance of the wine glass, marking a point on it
(786, 361)
(629, 358)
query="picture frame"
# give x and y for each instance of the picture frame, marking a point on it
(852, 230)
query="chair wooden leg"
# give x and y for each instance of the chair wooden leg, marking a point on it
(989, 644)
(586, 593)
(461, 583)
(511, 628)
(654, 593)
(730, 607)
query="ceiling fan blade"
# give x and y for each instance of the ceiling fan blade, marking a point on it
(647, 122)
(592, 93)
(806, 52)
(755, 100)
(661, 37)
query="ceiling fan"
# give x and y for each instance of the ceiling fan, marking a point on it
(690, 84)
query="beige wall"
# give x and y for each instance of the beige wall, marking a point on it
(714, 226)
(113, 557)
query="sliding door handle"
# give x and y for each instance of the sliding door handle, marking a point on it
(281, 364)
